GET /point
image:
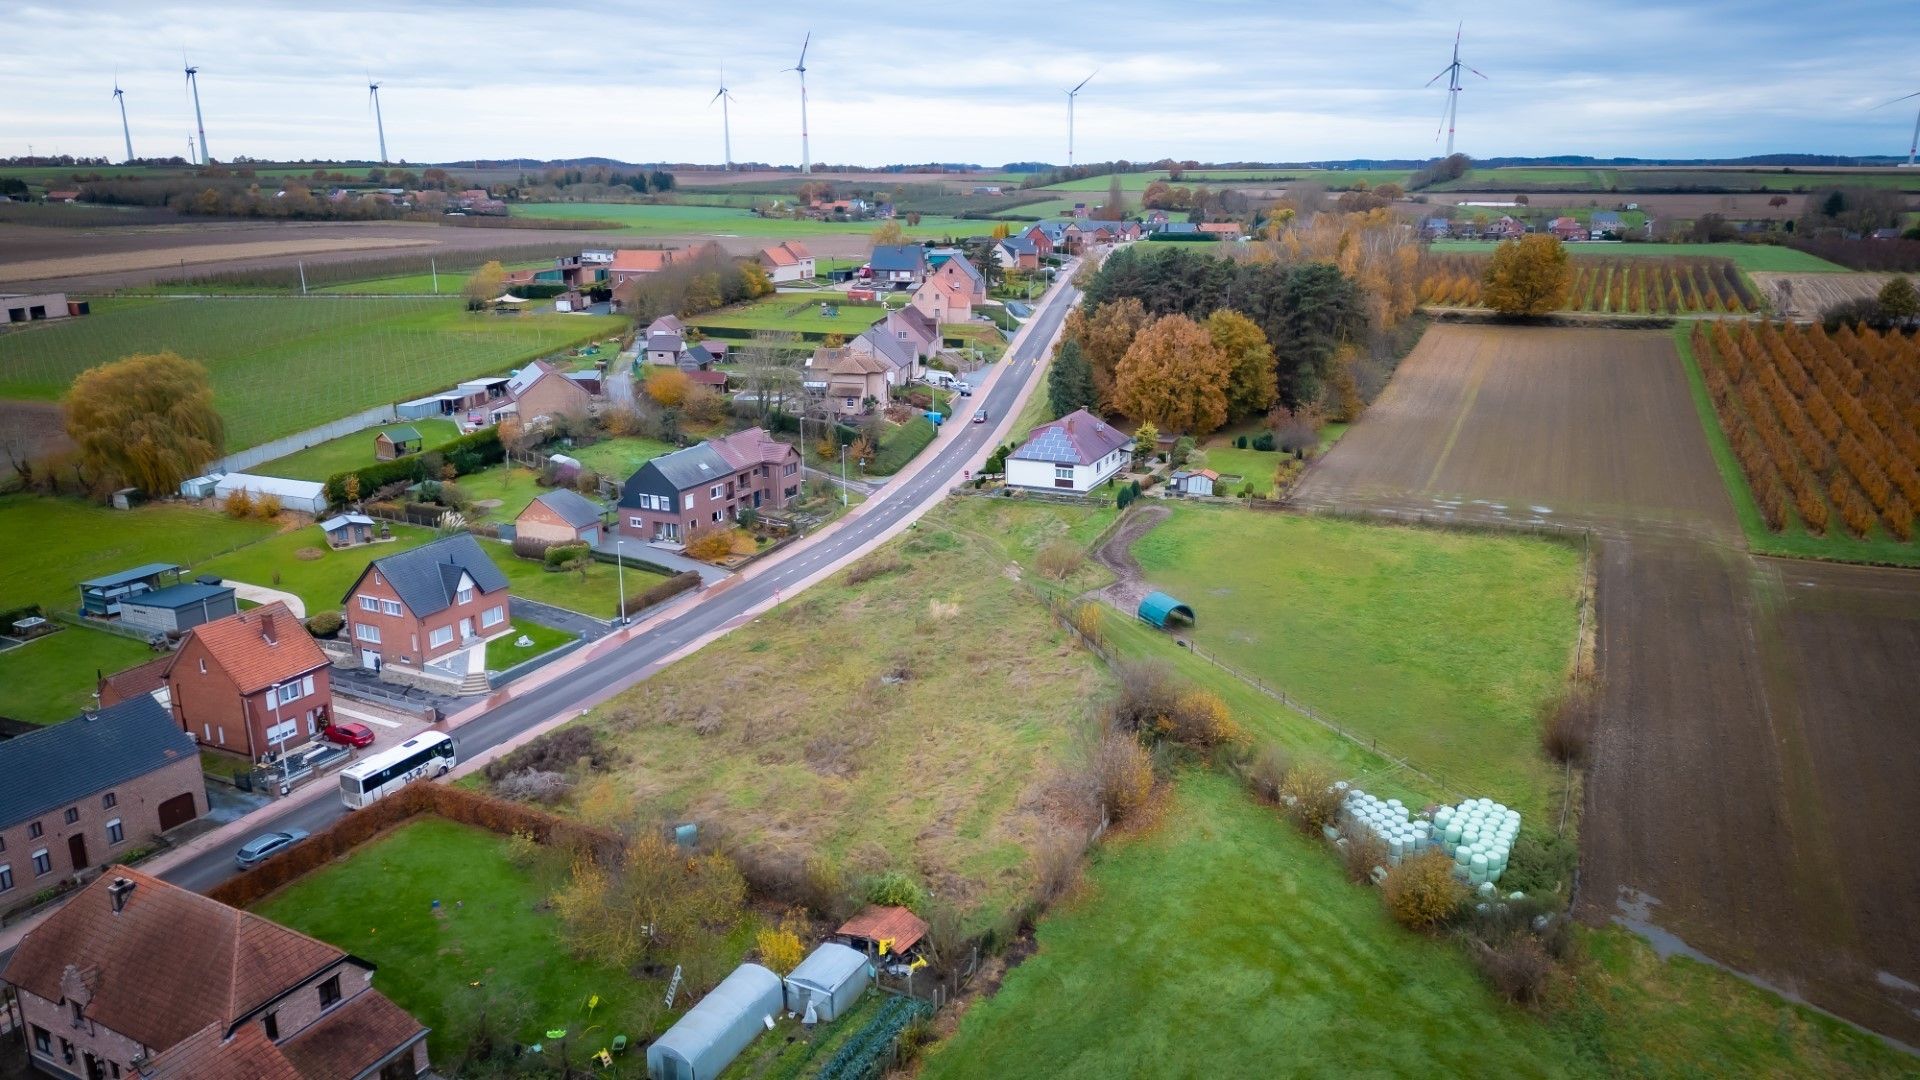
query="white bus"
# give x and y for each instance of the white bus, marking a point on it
(425, 755)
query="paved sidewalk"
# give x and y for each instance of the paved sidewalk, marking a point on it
(260, 594)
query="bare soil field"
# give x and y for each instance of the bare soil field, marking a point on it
(173, 258)
(1534, 427)
(32, 430)
(710, 178)
(1805, 296)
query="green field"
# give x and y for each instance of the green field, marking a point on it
(1745, 256)
(503, 652)
(681, 220)
(596, 594)
(52, 545)
(799, 314)
(52, 678)
(1438, 645)
(353, 451)
(616, 459)
(284, 364)
(512, 486)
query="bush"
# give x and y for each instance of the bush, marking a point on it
(534, 785)
(1240, 442)
(1123, 774)
(1202, 720)
(1364, 851)
(528, 547)
(1517, 968)
(1540, 863)
(1263, 441)
(1421, 892)
(267, 507)
(239, 504)
(1565, 723)
(1268, 772)
(896, 888)
(1060, 559)
(1310, 799)
(780, 949)
(325, 624)
(710, 543)
(560, 750)
(873, 566)
(563, 556)
(662, 592)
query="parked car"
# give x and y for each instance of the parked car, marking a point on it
(348, 734)
(965, 389)
(980, 415)
(266, 846)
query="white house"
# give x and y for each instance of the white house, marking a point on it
(787, 261)
(1076, 453)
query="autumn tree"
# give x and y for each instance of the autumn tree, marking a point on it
(484, 284)
(1104, 336)
(1146, 442)
(1251, 385)
(1173, 377)
(1528, 276)
(1069, 380)
(1899, 301)
(657, 898)
(669, 387)
(147, 421)
(1115, 207)
(889, 233)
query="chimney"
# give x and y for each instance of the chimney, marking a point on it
(118, 893)
(1069, 425)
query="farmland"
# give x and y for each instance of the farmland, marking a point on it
(1746, 256)
(352, 451)
(1630, 285)
(1805, 296)
(719, 221)
(280, 365)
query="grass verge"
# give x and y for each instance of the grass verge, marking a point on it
(505, 651)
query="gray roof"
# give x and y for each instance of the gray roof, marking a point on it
(898, 257)
(692, 467)
(403, 434)
(177, 596)
(1078, 438)
(888, 347)
(128, 577)
(574, 508)
(342, 520)
(828, 967)
(1019, 245)
(971, 271)
(428, 577)
(54, 767)
(665, 341)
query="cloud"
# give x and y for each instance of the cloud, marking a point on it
(981, 82)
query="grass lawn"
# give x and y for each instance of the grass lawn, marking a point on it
(51, 679)
(450, 283)
(51, 545)
(981, 336)
(285, 364)
(1745, 256)
(1252, 466)
(321, 582)
(512, 486)
(666, 220)
(353, 451)
(503, 653)
(1794, 540)
(797, 313)
(597, 594)
(617, 459)
(377, 905)
(1439, 645)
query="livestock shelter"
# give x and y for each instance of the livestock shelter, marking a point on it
(707, 1039)
(1160, 609)
(301, 496)
(102, 595)
(177, 607)
(832, 977)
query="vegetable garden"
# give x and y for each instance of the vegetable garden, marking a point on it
(1616, 284)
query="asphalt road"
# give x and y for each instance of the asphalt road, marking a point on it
(635, 661)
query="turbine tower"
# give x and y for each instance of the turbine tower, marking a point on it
(193, 84)
(1452, 74)
(726, 121)
(1913, 146)
(806, 157)
(1071, 94)
(379, 125)
(120, 96)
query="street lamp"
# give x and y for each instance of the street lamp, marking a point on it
(620, 574)
(843, 474)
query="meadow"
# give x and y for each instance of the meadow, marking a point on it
(681, 220)
(353, 451)
(51, 679)
(1745, 256)
(280, 365)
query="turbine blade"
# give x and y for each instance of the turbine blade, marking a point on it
(1086, 80)
(1443, 71)
(808, 40)
(1475, 70)
(715, 98)
(1896, 101)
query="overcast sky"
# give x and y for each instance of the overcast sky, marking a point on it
(981, 81)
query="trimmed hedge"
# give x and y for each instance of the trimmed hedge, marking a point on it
(468, 453)
(665, 590)
(789, 424)
(914, 436)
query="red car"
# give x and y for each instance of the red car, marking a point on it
(349, 734)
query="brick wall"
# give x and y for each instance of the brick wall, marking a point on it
(405, 639)
(136, 806)
(209, 706)
(61, 1034)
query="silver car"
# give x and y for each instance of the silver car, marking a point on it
(266, 846)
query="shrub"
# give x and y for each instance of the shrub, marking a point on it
(896, 888)
(1060, 559)
(1518, 968)
(873, 566)
(1123, 774)
(1540, 863)
(1364, 851)
(665, 590)
(1056, 865)
(559, 751)
(1309, 797)
(564, 556)
(528, 547)
(1268, 772)
(1240, 442)
(1421, 892)
(325, 624)
(1565, 724)
(1147, 697)
(239, 504)
(1201, 719)
(780, 949)
(710, 543)
(267, 507)
(534, 785)
(1263, 441)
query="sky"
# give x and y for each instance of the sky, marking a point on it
(979, 82)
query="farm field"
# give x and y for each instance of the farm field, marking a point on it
(672, 220)
(1747, 257)
(281, 365)
(1604, 418)
(1636, 286)
(1805, 296)
(353, 451)
(1438, 646)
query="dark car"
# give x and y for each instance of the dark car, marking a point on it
(348, 734)
(980, 415)
(266, 846)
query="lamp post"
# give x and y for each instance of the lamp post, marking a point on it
(620, 574)
(843, 474)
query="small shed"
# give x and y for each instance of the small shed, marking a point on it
(397, 442)
(177, 607)
(884, 931)
(302, 496)
(832, 977)
(1195, 482)
(199, 487)
(418, 408)
(561, 516)
(707, 1039)
(102, 595)
(1160, 609)
(348, 530)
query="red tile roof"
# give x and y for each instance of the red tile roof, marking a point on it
(260, 648)
(877, 923)
(751, 447)
(637, 261)
(1221, 228)
(131, 683)
(786, 253)
(206, 1055)
(363, 1031)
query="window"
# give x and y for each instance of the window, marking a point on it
(634, 522)
(440, 637)
(6, 877)
(42, 864)
(271, 1022)
(203, 666)
(288, 693)
(713, 492)
(284, 731)
(34, 831)
(791, 469)
(107, 802)
(686, 503)
(330, 991)
(492, 616)
(366, 633)
(369, 603)
(116, 833)
(42, 1041)
(77, 1018)
(465, 595)
(73, 814)
(389, 607)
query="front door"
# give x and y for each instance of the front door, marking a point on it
(466, 629)
(369, 659)
(77, 848)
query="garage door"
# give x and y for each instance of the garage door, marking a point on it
(177, 811)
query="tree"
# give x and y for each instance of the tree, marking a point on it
(1069, 380)
(1251, 385)
(669, 387)
(1104, 337)
(1899, 301)
(1115, 207)
(484, 284)
(1528, 276)
(1146, 441)
(889, 233)
(658, 897)
(1174, 377)
(147, 421)
(1002, 231)
(710, 543)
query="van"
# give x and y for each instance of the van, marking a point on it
(937, 377)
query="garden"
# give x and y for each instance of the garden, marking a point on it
(349, 452)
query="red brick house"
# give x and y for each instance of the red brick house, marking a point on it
(539, 391)
(1567, 228)
(1041, 241)
(136, 977)
(423, 605)
(250, 683)
(561, 516)
(666, 499)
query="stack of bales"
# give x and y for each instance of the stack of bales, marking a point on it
(1479, 833)
(1403, 834)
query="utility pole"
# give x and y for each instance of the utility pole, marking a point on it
(620, 574)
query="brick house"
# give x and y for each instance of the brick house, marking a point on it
(136, 977)
(424, 605)
(852, 381)
(1043, 240)
(666, 499)
(900, 356)
(82, 793)
(911, 326)
(950, 291)
(787, 261)
(1566, 228)
(560, 517)
(539, 391)
(250, 683)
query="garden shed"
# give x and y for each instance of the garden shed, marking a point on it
(707, 1039)
(102, 595)
(833, 977)
(1160, 609)
(397, 442)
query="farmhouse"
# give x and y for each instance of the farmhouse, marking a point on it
(397, 442)
(669, 497)
(77, 794)
(177, 607)
(422, 606)
(1224, 230)
(1567, 228)
(949, 292)
(787, 261)
(897, 266)
(252, 683)
(102, 596)
(1075, 453)
(560, 516)
(137, 977)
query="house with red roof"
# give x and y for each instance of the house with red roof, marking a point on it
(787, 261)
(251, 683)
(1567, 228)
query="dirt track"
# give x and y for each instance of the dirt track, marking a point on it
(1752, 777)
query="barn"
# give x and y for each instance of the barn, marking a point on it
(713, 1033)
(832, 977)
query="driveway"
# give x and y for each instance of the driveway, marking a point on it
(672, 560)
(260, 594)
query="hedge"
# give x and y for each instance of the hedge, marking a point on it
(665, 590)
(788, 424)
(913, 437)
(481, 447)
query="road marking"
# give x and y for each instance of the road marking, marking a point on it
(358, 715)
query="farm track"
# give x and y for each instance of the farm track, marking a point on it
(1116, 554)
(1752, 766)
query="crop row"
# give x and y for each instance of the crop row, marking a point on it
(1626, 285)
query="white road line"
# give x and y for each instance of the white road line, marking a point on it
(358, 715)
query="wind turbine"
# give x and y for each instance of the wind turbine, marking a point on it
(120, 96)
(726, 122)
(193, 84)
(1913, 146)
(373, 97)
(1452, 72)
(1071, 94)
(806, 157)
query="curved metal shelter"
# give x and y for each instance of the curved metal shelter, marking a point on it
(1158, 608)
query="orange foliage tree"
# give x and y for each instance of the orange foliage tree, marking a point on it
(1174, 377)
